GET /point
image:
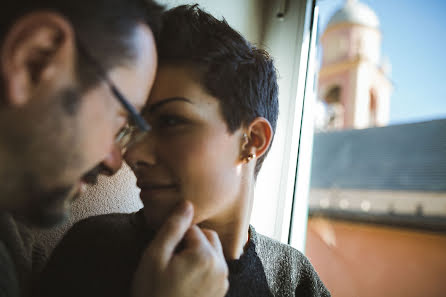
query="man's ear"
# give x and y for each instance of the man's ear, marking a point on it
(38, 51)
(260, 135)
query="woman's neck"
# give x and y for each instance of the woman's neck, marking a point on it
(232, 226)
(233, 237)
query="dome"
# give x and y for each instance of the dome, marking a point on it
(355, 12)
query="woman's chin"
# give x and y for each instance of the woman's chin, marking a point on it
(157, 212)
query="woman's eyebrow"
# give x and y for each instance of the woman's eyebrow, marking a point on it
(153, 107)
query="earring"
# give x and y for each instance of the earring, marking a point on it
(249, 157)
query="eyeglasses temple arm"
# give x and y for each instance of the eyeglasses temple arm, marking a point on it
(139, 121)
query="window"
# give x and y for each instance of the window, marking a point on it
(377, 188)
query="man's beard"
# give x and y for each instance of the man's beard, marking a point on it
(50, 208)
(47, 209)
(54, 208)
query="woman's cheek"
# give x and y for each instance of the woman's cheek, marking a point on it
(199, 173)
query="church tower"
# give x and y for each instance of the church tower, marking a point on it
(353, 80)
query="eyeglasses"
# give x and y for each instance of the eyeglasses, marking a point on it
(136, 127)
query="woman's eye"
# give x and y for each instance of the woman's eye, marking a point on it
(171, 121)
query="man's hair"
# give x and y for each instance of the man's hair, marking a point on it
(242, 77)
(103, 26)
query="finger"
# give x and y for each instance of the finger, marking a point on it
(215, 242)
(194, 239)
(171, 233)
(196, 250)
(213, 239)
(196, 245)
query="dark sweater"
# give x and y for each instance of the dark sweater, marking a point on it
(9, 285)
(20, 257)
(99, 255)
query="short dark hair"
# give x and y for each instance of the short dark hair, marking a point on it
(103, 26)
(242, 77)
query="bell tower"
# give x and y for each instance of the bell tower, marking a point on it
(353, 80)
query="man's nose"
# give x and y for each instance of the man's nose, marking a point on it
(143, 152)
(112, 162)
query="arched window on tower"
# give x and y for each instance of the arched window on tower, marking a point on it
(373, 109)
(335, 109)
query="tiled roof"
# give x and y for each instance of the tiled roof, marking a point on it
(401, 157)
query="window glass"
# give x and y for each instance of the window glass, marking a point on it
(377, 200)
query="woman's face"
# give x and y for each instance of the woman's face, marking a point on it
(189, 154)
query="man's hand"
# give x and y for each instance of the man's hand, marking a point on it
(197, 269)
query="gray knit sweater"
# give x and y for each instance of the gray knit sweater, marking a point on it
(98, 256)
(20, 257)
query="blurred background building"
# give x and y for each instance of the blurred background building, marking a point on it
(354, 83)
(377, 217)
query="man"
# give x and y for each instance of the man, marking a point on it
(71, 74)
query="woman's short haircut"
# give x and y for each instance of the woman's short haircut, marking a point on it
(242, 77)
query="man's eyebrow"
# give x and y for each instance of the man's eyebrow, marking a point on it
(153, 107)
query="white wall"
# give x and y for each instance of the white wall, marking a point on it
(288, 41)
(245, 16)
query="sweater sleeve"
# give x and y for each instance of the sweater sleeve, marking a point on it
(288, 271)
(310, 285)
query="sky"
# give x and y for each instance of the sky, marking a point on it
(414, 40)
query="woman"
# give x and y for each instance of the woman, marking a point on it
(213, 111)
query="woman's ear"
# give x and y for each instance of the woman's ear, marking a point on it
(38, 53)
(259, 137)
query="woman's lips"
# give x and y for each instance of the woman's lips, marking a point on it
(149, 188)
(156, 189)
(154, 185)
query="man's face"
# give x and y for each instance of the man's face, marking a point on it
(69, 135)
